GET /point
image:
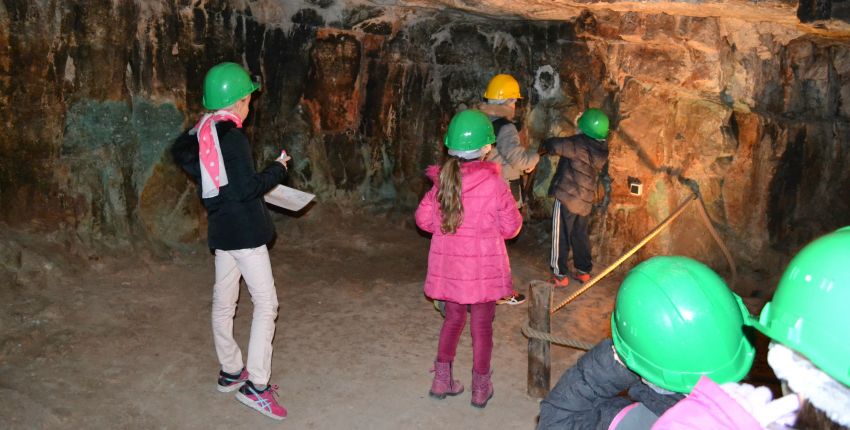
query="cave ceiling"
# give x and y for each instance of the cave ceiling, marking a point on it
(779, 12)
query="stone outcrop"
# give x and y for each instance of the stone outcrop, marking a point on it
(750, 113)
(749, 110)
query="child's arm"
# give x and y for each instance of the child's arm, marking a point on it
(655, 402)
(185, 154)
(245, 183)
(510, 220)
(511, 150)
(426, 213)
(560, 146)
(587, 395)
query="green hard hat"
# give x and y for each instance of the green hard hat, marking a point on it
(676, 320)
(809, 312)
(594, 123)
(469, 130)
(225, 84)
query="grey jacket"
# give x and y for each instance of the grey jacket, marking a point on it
(587, 397)
(510, 154)
(574, 182)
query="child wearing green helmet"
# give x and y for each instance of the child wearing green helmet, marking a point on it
(808, 323)
(674, 321)
(470, 212)
(217, 155)
(581, 158)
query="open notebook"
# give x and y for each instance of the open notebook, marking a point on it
(288, 198)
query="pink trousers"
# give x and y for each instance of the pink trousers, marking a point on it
(481, 327)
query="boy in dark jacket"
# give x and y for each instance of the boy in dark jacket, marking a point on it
(216, 153)
(573, 186)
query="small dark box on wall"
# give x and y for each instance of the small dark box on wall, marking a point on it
(635, 186)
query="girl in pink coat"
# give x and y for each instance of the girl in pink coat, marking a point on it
(470, 212)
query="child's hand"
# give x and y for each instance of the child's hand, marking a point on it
(283, 158)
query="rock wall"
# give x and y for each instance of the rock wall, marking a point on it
(753, 115)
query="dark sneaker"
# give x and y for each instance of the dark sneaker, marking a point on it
(516, 298)
(228, 382)
(582, 276)
(264, 401)
(560, 281)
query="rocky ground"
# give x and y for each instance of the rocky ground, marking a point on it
(123, 341)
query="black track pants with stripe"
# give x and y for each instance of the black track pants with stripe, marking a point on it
(569, 231)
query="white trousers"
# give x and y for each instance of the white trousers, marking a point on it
(253, 265)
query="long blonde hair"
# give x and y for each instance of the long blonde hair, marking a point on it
(449, 196)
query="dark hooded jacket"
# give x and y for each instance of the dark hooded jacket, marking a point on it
(574, 182)
(588, 395)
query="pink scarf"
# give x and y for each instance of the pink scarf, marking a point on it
(213, 174)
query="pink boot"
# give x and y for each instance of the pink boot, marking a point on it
(482, 389)
(443, 384)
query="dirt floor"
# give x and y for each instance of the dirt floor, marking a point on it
(126, 342)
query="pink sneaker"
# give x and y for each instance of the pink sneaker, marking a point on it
(263, 401)
(229, 382)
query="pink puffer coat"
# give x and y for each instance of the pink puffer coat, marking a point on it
(707, 407)
(471, 265)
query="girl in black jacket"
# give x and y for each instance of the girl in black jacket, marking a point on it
(217, 155)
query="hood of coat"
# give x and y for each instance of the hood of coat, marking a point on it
(473, 173)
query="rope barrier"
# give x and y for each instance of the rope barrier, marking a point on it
(623, 258)
(707, 221)
(532, 333)
(537, 334)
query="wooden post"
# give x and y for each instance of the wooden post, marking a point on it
(539, 365)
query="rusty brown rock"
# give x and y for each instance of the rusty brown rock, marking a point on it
(750, 109)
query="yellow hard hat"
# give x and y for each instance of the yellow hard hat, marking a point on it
(502, 87)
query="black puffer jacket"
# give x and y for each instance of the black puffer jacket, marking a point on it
(574, 182)
(238, 218)
(587, 397)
